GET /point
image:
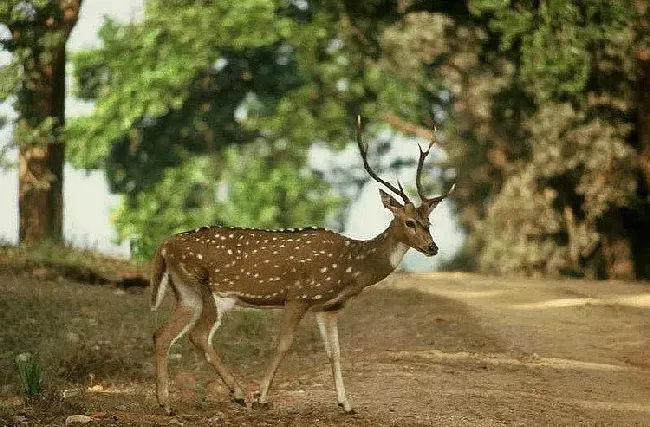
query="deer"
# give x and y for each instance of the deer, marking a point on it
(213, 269)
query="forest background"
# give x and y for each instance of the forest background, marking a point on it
(209, 112)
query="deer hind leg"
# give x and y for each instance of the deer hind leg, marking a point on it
(293, 312)
(328, 327)
(187, 312)
(201, 336)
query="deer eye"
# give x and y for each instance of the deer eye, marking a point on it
(409, 223)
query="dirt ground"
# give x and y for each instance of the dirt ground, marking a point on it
(439, 349)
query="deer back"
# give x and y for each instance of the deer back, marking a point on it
(267, 267)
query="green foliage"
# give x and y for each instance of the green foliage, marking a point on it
(174, 45)
(551, 214)
(540, 116)
(198, 99)
(258, 189)
(30, 374)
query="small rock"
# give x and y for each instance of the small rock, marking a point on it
(20, 419)
(78, 419)
(96, 388)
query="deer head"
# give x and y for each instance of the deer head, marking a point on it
(411, 223)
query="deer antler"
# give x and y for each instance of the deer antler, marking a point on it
(418, 173)
(423, 155)
(364, 156)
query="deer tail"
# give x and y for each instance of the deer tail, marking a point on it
(159, 279)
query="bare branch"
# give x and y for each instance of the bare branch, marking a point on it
(408, 128)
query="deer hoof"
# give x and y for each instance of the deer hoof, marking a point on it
(348, 410)
(261, 406)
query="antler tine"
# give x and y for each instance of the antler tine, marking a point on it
(366, 166)
(418, 173)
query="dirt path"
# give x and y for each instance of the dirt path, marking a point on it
(574, 352)
(418, 350)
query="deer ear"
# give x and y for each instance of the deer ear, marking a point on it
(389, 201)
(432, 203)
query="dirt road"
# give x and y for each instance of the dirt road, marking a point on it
(418, 350)
(569, 352)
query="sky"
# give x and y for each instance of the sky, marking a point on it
(88, 204)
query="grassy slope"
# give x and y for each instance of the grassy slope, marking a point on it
(52, 262)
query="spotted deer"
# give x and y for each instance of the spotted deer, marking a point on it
(213, 269)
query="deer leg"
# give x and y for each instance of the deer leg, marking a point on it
(293, 313)
(188, 310)
(328, 327)
(201, 336)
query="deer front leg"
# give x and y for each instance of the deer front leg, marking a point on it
(328, 327)
(293, 312)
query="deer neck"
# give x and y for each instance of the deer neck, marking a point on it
(383, 253)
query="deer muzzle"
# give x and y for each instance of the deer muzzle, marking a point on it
(431, 250)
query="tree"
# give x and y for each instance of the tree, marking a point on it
(206, 113)
(176, 95)
(579, 202)
(39, 31)
(544, 113)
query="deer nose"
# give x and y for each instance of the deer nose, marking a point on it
(433, 249)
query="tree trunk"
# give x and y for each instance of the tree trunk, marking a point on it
(40, 200)
(40, 180)
(42, 98)
(616, 249)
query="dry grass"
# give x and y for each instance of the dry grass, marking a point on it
(100, 337)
